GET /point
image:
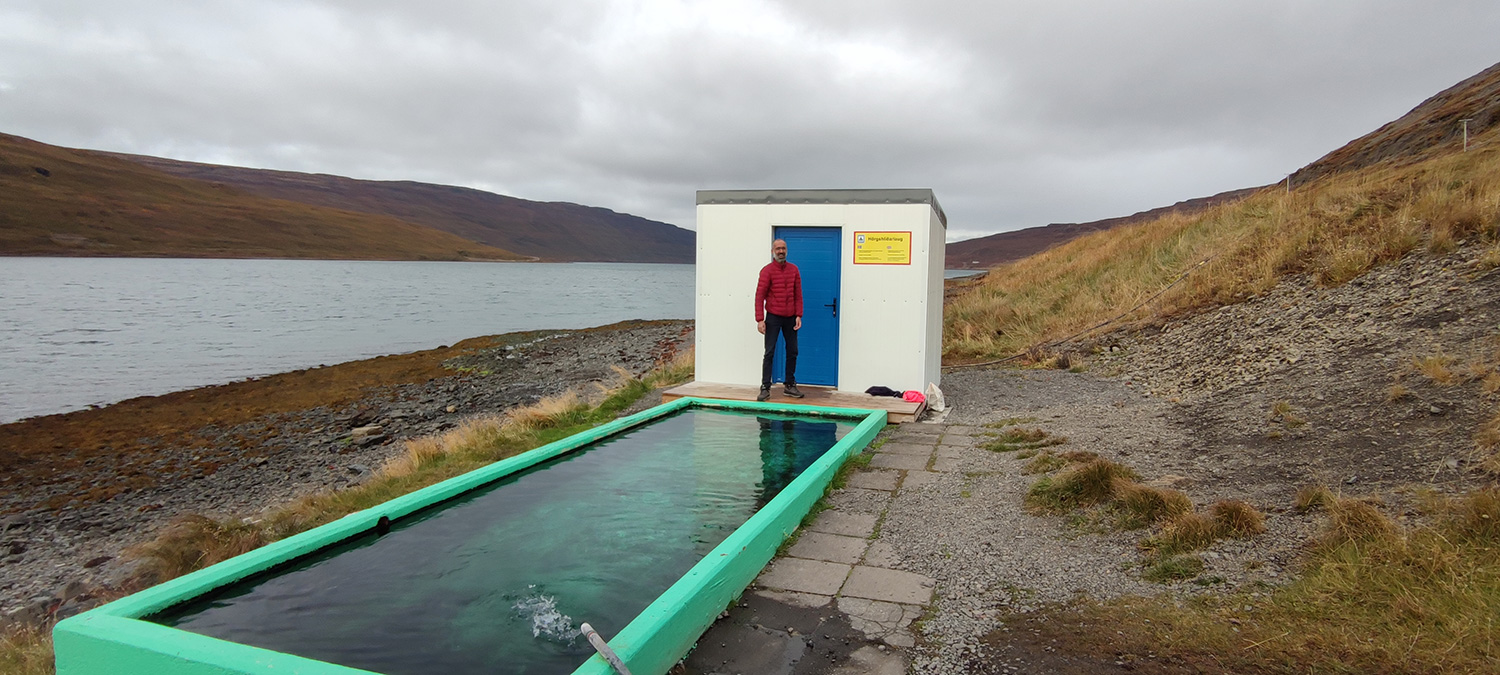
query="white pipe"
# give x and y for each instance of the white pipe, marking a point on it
(603, 648)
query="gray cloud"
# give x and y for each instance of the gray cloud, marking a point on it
(1017, 114)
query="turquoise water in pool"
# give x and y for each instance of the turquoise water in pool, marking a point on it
(498, 580)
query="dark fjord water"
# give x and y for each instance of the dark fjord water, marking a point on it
(498, 581)
(90, 331)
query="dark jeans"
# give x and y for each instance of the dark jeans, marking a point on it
(775, 323)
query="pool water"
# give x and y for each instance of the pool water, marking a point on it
(499, 580)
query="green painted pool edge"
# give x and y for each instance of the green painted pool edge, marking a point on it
(113, 638)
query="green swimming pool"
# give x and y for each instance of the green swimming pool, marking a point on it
(646, 529)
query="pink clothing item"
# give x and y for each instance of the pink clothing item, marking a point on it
(913, 396)
(779, 291)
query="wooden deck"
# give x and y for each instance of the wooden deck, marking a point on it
(897, 410)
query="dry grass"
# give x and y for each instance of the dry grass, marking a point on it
(1310, 497)
(1143, 505)
(1333, 230)
(1371, 599)
(1487, 445)
(1020, 438)
(1397, 392)
(1082, 485)
(197, 541)
(1045, 462)
(1281, 411)
(1438, 368)
(1187, 532)
(1234, 518)
(26, 650)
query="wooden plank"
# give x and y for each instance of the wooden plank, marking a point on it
(897, 410)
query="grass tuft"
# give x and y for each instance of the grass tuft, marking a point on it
(1187, 532)
(1310, 497)
(1143, 505)
(1355, 520)
(1020, 438)
(1082, 485)
(1437, 367)
(1237, 519)
(1045, 462)
(1173, 568)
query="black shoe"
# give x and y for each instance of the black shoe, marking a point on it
(793, 391)
(765, 393)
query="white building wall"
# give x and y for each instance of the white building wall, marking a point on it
(890, 316)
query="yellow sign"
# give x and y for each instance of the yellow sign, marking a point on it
(882, 248)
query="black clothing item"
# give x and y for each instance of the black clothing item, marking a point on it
(764, 395)
(882, 391)
(776, 323)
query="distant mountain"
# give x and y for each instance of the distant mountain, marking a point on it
(560, 231)
(63, 202)
(995, 249)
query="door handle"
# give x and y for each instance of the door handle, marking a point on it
(835, 306)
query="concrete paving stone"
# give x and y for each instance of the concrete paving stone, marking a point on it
(906, 448)
(829, 547)
(896, 586)
(947, 464)
(886, 460)
(859, 500)
(881, 554)
(804, 576)
(917, 439)
(795, 599)
(950, 451)
(874, 480)
(847, 524)
(884, 621)
(918, 479)
(962, 430)
(868, 660)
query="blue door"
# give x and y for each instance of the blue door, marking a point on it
(817, 253)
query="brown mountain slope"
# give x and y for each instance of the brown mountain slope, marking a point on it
(547, 230)
(995, 249)
(59, 201)
(1433, 127)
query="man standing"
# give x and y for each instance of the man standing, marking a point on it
(778, 309)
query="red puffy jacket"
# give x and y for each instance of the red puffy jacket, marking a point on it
(779, 291)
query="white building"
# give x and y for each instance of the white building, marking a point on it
(872, 271)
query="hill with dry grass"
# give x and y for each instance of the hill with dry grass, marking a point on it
(64, 202)
(997, 249)
(1406, 187)
(555, 231)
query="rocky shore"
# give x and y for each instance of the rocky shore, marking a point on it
(79, 488)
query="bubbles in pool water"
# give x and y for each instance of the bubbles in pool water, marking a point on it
(546, 621)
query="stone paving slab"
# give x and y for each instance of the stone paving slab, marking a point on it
(805, 576)
(795, 599)
(886, 460)
(884, 621)
(874, 583)
(881, 554)
(874, 480)
(847, 524)
(829, 547)
(904, 448)
(947, 464)
(917, 479)
(859, 500)
(950, 451)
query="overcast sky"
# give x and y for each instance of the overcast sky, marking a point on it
(1017, 114)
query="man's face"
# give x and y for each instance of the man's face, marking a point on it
(778, 251)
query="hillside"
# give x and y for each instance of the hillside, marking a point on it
(559, 231)
(1405, 187)
(64, 202)
(995, 249)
